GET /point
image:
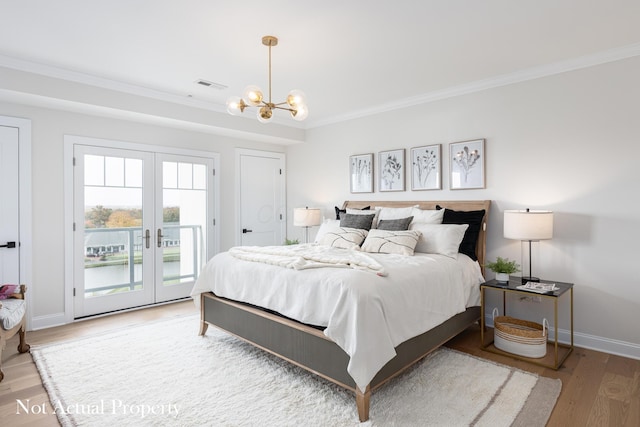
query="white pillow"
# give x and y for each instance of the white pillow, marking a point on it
(391, 242)
(343, 237)
(441, 239)
(427, 216)
(375, 211)
(326, 225)
(394, 213)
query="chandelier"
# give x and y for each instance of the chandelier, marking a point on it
(253, 97)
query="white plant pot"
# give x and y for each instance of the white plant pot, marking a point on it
(502, 277)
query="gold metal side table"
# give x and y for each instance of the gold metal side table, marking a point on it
(559, 351)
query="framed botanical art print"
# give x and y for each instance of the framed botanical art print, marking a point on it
(467, 160)
(426, 167)
(361, 173)
(391, 170)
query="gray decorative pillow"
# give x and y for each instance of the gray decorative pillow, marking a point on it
(362, 222)
(391, 242)
(395, 224)
(342, 237)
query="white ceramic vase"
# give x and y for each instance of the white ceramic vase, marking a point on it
(502, 277)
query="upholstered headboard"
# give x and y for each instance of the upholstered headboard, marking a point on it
(455, 205)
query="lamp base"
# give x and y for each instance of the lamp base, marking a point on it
(530, 279)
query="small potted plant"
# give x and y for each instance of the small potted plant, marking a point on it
(503, 267)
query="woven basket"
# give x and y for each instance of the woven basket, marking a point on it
(520, 337)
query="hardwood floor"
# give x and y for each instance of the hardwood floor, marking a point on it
(598, 389)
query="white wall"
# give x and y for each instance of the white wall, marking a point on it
(48, 130)
(569, 143)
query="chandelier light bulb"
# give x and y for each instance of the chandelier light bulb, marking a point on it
(253, 95)
(265, 114)
(296, 97)
(235, 105)
(300, 112)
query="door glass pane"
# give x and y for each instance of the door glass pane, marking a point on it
(184, 213)
(169, 175)
(114, 171)
(95, 166)
(199, 177)
(113, 225)
(185, 176)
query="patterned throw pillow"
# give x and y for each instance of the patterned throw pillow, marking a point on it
(343, 237)
(326, 226)
(391, 242)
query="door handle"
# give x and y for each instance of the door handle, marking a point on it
(160, 236)
(9, 245)
(147, 238)
(244, 231)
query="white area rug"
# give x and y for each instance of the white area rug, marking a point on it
(164, 374)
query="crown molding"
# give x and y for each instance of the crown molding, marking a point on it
(101, 82)
(118, 86)
(140, 117)
(559, 67)
(533, 73)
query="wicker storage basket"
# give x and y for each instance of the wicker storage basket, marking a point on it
(520, 337)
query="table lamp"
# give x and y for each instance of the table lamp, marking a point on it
(528, 226)
(305, 217)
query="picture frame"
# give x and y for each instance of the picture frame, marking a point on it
(361, 173)
(426, 167)
(391, 170)
(466, 165)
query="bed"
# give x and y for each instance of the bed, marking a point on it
(346, 346)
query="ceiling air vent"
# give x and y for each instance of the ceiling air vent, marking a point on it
(213, 85)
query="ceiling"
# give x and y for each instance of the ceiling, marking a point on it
(351, 58)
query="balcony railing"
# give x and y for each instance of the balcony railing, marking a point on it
(122, 246)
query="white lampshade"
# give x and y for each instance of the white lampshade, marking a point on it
(306, 217)
(528, 225)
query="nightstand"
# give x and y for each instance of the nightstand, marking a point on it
(557, 352)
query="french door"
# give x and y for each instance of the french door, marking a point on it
(143, 224)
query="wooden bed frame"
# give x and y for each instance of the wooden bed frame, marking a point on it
(306, 346)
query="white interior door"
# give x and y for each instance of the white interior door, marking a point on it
(262, 198)
(9, 206)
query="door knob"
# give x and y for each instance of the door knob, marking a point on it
(244, 230)
(9, 245)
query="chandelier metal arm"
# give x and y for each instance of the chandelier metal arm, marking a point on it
(263, 41)
(283, 108)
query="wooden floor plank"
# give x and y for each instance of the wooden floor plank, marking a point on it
(597, 388)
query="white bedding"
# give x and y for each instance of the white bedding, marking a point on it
(367, 315)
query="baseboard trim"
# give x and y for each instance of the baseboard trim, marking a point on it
(48, 321)
(591, 342)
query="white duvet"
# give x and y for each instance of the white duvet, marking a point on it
(366, 314)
